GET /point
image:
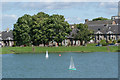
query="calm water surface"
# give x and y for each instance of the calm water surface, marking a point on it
(88, 65)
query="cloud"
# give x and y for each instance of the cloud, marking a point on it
(112, 6)
(8, 21)
(10, 16)
(60, 0)
(108, 8)
(109, 5)
(60, 5)
(36, 5)
(54, 5)
(73, 11)
(73, 20)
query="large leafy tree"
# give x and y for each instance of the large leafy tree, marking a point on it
(43, 29)
(60, 27)
(40, 29)
(21, 31)
(82, 33)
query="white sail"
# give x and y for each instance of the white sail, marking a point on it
(46, 54)
(72, 64)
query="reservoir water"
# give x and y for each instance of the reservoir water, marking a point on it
(88, 65)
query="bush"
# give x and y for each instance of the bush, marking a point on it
(114, 42)
(118, 41)
(110, 42)
(14, 44)
(103, 43)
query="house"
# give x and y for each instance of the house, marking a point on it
(106, 29)
(6, 38)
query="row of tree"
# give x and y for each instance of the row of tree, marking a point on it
(43, 28)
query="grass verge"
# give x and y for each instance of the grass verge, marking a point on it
(8, 50)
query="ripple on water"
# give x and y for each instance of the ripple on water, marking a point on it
(88, 65)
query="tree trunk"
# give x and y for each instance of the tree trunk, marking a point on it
(71, 42)
(85, 43)
(44, 44)
(61, 43)
(75, 42)
(52, 42)
(81, 42)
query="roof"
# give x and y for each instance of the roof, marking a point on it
(117, 21)
(100, 23)
(7, 35)
(74, 30)
(105, 29)
(103, 26)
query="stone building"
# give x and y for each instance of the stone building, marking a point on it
(6, 38)
(106, 29)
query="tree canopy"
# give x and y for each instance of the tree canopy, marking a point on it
(99, 18)
(40, 29)
(61, 28)
(82, 33)
(21, 31)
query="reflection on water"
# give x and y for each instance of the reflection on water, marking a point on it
(88, 65)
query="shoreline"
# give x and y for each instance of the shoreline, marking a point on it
(48, 52)
(51, 52)
(80, 49)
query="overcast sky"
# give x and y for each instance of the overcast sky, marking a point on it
(74, 12)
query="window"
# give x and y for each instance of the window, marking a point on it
(99, 29)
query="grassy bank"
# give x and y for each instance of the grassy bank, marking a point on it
(8, 50)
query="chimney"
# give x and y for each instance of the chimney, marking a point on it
(113, 23)
(7, 29)
(86, 20)
(118, 14)
(72, 27)
(112, 18)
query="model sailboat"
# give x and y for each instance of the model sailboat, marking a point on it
(46, 54)
(72, 67)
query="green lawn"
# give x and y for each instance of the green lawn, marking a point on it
(8, 50)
